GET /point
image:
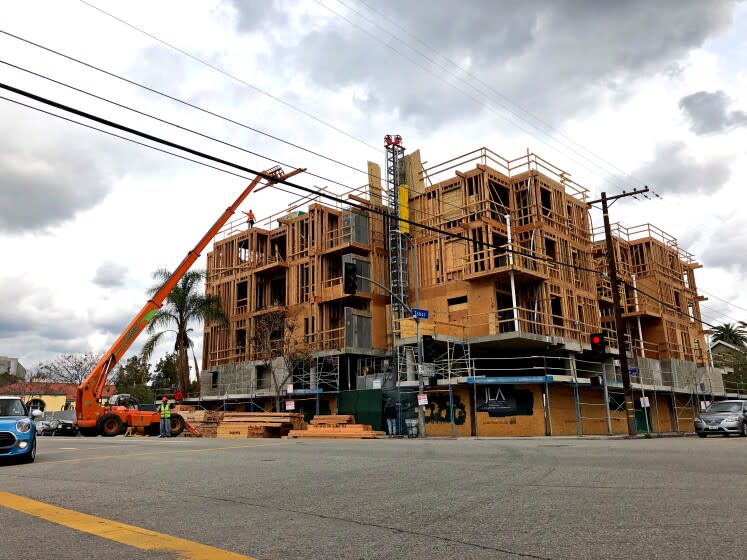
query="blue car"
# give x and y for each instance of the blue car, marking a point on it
(17, 430)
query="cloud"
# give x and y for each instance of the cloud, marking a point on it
(110, 275)
(57, 170)
(259, 16)
(726, 247)
(674, 170)
(560, 59)
(708, 112)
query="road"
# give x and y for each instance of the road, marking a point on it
(547, 498)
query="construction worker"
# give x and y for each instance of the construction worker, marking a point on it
(165, 411)
(250, 218)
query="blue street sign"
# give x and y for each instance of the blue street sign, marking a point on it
(419, 313)
(634, 371)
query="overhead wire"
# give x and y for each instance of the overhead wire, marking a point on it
(193, 57)
(382, 213)
(191, 105)
(476, 79)
(466, 239)
(465, 71)
(454, 86)
(178, 126)
(232, 76)
(197, 59)
(485, 84)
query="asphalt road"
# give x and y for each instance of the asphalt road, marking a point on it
(554, 498)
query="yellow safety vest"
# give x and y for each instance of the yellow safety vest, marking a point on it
(165, 411)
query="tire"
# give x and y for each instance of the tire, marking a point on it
(177, 425)
(109, 425)
(702, 434)
(31, 455)
(88, 432)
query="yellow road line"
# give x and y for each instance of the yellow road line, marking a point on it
(129, 535)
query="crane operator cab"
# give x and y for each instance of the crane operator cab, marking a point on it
(124, 400)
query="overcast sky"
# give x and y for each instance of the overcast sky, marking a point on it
(618, 94)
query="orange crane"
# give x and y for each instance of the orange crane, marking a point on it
(91, 416)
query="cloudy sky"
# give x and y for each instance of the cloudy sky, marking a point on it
(618, 94)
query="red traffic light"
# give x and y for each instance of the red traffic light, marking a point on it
(596, 339)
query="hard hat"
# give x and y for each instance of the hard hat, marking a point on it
(165, 398)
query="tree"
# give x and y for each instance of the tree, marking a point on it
(133, 376)
(164, 374)
(731, 333)
(68, 368)
(184, 305)
(276, 345)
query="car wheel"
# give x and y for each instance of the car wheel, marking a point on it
(31, 455)
(702, 434)
(110, 425)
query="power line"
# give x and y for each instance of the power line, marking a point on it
(181, 101)
(204, 155)
(365, 172)
(191, 105)
(321, 194)
(233, 77)
(481, 82)
(454, 86)
(148, 115)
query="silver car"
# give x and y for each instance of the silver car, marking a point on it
(723, 417)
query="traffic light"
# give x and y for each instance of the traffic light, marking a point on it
(349, 278)
(598, 346)
(429, 350)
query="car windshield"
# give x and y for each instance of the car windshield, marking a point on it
(725, 407)
(12, 407)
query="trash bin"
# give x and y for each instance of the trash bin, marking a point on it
(412, 427)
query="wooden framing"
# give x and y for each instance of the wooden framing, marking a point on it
(296, 268)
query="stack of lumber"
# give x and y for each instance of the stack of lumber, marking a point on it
(206, 422)
(335, 426)
(240, 425)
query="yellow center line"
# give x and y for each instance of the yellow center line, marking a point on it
(129, 535)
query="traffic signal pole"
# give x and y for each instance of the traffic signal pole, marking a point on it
(617, 308)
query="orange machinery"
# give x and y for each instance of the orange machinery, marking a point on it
(91, 417)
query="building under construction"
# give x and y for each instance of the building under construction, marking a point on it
(502, 258)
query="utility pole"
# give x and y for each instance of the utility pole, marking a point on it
(617, 308)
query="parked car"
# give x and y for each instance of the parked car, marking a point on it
(56, 427)
(723, 417)
(17, 430)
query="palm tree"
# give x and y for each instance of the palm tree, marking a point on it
(184, 304)
(731, 333)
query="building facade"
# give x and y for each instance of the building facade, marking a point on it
(513, 279)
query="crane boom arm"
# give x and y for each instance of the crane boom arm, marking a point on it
(92, 387)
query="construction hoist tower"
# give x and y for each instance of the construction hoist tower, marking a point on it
(397, 238)
(398, 231)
